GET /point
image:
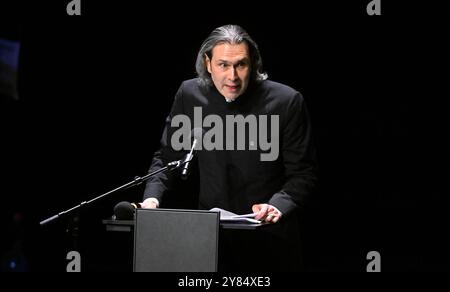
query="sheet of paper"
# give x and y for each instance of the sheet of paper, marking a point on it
(229, 216)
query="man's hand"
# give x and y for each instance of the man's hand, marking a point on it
(150, 203)
(266, 212)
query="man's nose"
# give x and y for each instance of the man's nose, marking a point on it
(233, 74)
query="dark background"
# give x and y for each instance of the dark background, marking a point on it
(95, 90)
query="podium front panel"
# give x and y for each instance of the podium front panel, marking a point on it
(169, 240)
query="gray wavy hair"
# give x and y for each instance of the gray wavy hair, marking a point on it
(231, 34)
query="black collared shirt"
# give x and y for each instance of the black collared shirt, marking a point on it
(236, 179)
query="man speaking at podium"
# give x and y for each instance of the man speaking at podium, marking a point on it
(256, 152)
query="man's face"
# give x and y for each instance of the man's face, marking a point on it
(230, 69)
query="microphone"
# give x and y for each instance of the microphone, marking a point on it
(125, 210)
(197, 134)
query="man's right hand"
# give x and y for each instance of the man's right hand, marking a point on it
(150, 203)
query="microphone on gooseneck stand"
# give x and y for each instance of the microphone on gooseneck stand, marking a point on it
(196, 134)
(189, 157)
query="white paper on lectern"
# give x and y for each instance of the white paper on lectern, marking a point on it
(229, 216)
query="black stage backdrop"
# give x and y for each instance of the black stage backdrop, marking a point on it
(94, 91)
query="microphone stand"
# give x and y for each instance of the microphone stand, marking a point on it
(137, 181)
(73, 228)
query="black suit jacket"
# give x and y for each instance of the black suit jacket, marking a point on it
(237, 179)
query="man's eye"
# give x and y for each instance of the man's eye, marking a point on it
(223, 65)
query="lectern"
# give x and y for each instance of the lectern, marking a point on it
(176, 240)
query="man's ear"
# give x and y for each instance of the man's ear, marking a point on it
(208, 63)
